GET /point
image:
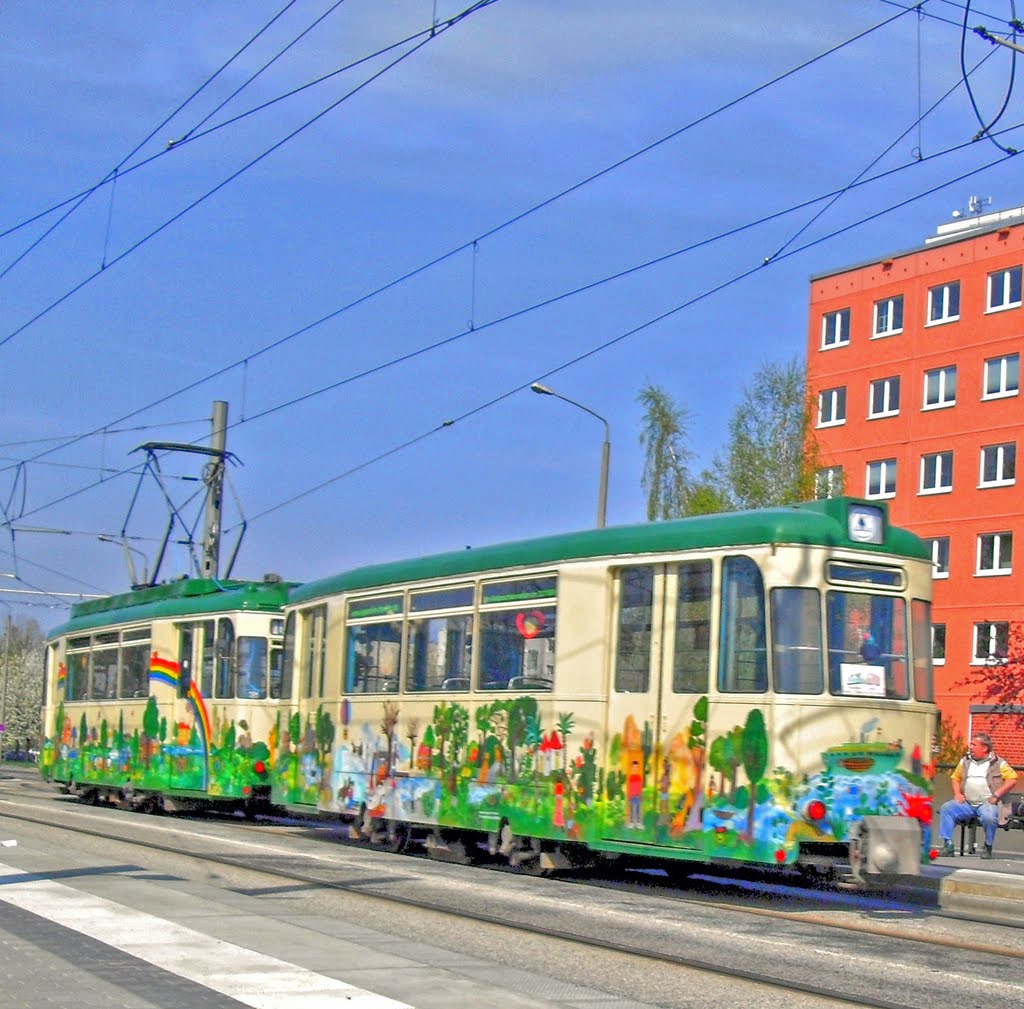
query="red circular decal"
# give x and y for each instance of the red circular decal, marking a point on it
(530, 624)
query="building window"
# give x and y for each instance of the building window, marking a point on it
(944, 303)
(835, 329)
(940, 387)
(998, 465)
(990, 642)
(940, 557)
(939, 644)
(885, 397)
(1002, 376)
(1004, 289)
(995, 553)
(889, 316)
(828, 482)
(832, 407)
(937, 473)
(882, 478)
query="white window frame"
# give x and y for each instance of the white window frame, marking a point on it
(1000, 285)
(939, 546)
(885, 311)
(830, 480)
(944, 402)
(939, 298)
(835, 401)
(939, 660)
(1005, 459)
(885, 467)
(1002, 554)
(835, 329)
(937, 472)
(990, 631)
(890, 390)
(1002, 363)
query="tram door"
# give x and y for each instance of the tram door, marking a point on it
(658, 705)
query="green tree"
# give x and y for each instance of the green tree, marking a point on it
(770, 458)
(663, 436)
(755, 758)
(21, 651)
(565, 723)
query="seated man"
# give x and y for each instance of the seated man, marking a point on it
(980, 782)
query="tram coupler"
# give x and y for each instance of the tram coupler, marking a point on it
(885, 846)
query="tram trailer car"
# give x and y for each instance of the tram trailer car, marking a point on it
(166, 695)
(752, 687)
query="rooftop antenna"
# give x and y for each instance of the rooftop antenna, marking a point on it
(975, 205)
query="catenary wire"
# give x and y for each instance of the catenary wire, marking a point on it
(422, 268)
(113, 173)
(547, 302)
(192, 137)
(439, 30)
(600, 348)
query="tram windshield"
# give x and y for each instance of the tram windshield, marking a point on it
(867, 645)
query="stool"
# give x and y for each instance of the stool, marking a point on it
(969, 835)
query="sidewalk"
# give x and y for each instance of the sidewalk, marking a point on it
(984, 889)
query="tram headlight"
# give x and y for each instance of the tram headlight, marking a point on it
(815, 811)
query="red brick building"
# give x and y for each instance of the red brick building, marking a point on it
(914, 366)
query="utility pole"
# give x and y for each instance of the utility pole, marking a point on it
(7, 674)
(213, 477)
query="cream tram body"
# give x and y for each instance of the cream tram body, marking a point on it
(750, 687)
(167, 693)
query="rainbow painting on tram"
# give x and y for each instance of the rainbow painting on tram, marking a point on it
(167, 694)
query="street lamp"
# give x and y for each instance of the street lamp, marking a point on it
(606, 448)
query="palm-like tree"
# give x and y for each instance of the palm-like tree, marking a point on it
(663, 437)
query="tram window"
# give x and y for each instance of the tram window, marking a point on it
(921, 623)
(374, 657)
(633, 645)
(796, 641)
(104, 666)
(78, 674)
(439, 653)
(206, 666)
(276, 670)
(867, 645)
(251, 680)
(186, 638)
(743, 659)
(225, 652)
(892, 577)
(693, 629)
(135, 668)
(517, 649)
(314, 643)
(284, 685)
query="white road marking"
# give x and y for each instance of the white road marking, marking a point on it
(254, 979)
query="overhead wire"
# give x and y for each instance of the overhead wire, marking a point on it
(491, 232)
(547, 302)
(986, 128)
(439, 29)
(608, 344)
(113, 173)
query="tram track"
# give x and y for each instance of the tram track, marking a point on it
(521, 909)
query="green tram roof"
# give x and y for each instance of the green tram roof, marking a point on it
(186, 597)
(813, 523)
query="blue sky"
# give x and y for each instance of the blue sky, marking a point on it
(515, 104)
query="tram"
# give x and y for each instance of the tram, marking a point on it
(753, 687)
(167, 695)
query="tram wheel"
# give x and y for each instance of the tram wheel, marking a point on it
(395, 836)
(525, 854)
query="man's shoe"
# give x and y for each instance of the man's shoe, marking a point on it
(947, 850)
(986, 852)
